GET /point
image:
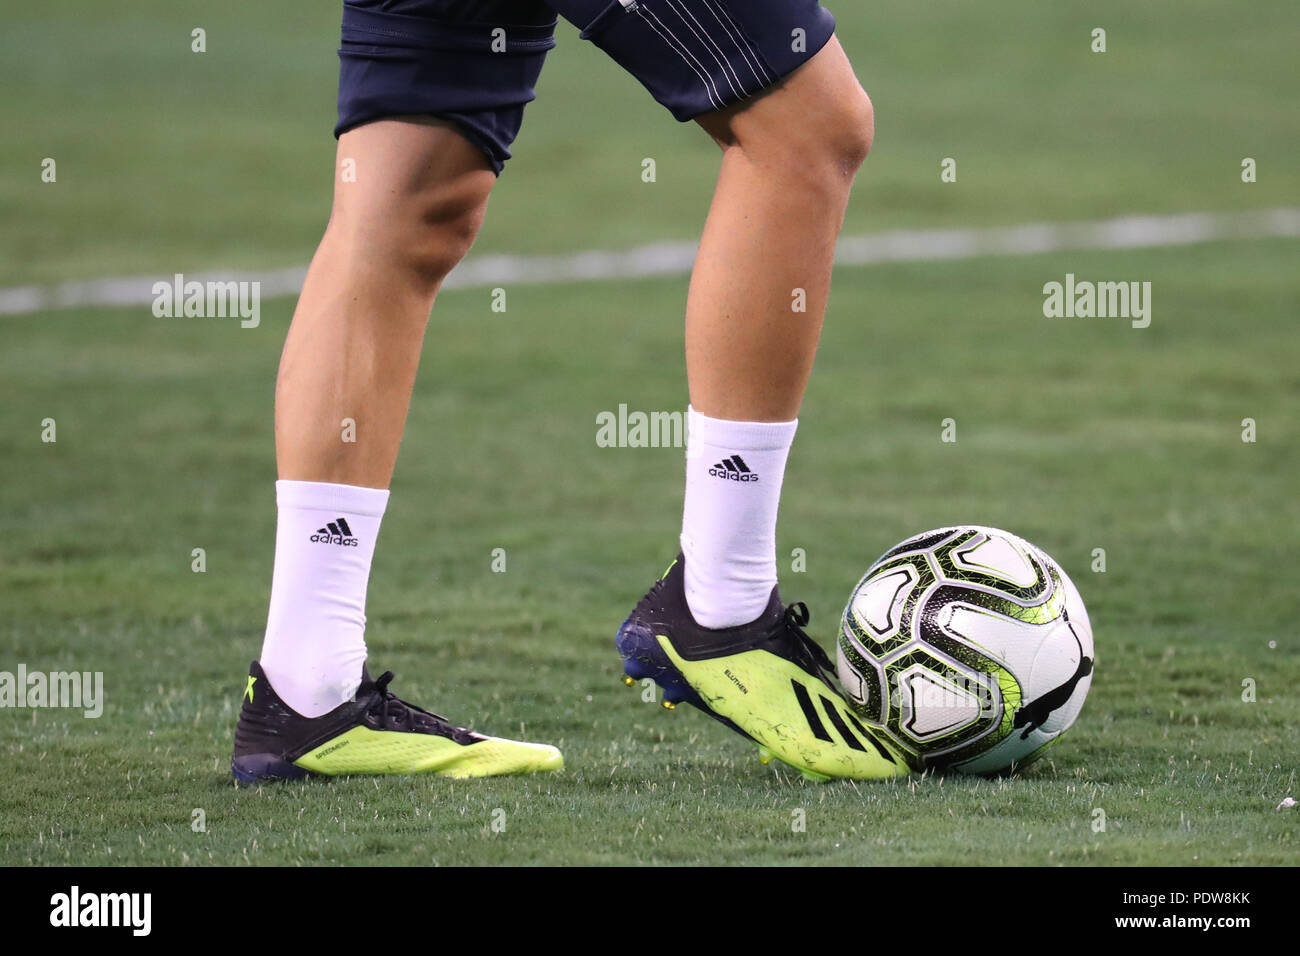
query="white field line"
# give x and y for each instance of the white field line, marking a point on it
(676, 258)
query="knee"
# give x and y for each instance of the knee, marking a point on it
(422, 232)
(817, 127)
(443, 226)
(818, 141)
(834, 137)
(853, 128)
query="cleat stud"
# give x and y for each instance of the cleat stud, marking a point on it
(629, 680)
(764, 756)
(669, 705)
(813, 776)
(674, 695)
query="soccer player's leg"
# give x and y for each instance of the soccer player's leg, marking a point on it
(417, 157)
(769, 82)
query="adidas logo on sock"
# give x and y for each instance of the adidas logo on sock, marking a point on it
(733, 469)
(335, 532)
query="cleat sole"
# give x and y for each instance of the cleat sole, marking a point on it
(256, 768)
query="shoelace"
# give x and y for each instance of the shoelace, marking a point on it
(392, 711)
(793, 623)
(654, 589)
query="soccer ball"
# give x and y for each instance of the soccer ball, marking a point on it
(969, 647)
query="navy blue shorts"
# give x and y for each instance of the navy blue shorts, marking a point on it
(475, 62)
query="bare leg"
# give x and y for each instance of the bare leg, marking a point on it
(789, 159)
(419, 197)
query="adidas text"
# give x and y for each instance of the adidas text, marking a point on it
(733, 469)
(335, 532)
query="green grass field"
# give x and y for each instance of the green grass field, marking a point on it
(1078, 434)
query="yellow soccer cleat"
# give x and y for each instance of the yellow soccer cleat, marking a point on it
(375, 733)
(768, 681)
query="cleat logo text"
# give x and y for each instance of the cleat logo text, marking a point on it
(736, 680)
(329, 750)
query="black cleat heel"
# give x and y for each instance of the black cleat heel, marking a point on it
(256, 768)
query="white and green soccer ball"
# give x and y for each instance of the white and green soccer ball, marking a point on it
(969, 647)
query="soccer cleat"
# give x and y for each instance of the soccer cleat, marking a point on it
(768, 681)
(374, 733)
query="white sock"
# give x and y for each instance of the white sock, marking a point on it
(315, 641)
(734, 472)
